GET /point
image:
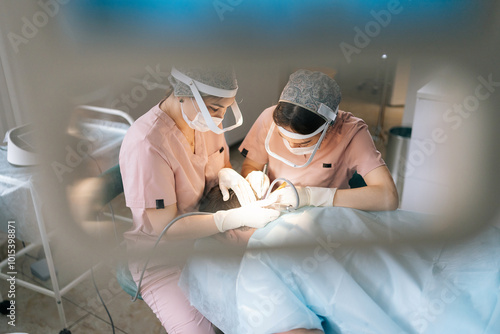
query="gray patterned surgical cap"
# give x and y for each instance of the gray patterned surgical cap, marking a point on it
(309, 89)
(219, 77)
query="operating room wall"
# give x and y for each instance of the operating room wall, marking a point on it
(133, 83)
(7, 116)
(13, 112)
(259, 87)
(421, 73)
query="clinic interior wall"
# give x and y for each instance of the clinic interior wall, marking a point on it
(106, 69)
(73, 71)
(422, 71)
(14, 110)
(7, 116)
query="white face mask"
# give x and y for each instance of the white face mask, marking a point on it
(325, 112)
(299, 150)
(303, 150)
(199, 123)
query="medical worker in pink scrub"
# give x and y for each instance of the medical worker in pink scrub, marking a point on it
(170, 156)
(309, 141)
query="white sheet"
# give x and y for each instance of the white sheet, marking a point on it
(356, 272)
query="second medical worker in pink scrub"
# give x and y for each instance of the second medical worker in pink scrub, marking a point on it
(170, 156)
(307, 140)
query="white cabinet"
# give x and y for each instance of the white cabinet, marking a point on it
(427, 171)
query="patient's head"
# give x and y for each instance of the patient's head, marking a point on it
(213, 202)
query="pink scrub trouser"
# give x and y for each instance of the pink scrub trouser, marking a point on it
(160, 291)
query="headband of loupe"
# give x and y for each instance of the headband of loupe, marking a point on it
(197, 87)
(326, 112)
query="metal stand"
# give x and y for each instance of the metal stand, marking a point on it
(56, 291)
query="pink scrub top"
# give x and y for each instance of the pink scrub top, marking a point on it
(347, 148)
(159, 169)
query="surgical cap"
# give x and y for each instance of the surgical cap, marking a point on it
(219, 77)
(311, 89)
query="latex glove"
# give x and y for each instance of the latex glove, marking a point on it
(230, 179)
(259, 182)
(314, 196)
(250, 215)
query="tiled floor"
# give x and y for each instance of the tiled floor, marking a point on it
(37, 313)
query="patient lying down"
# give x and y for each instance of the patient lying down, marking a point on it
(213, 202)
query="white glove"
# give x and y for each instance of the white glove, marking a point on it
(314, 196)
(230, 179)
(259, 182)
(250, 215)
